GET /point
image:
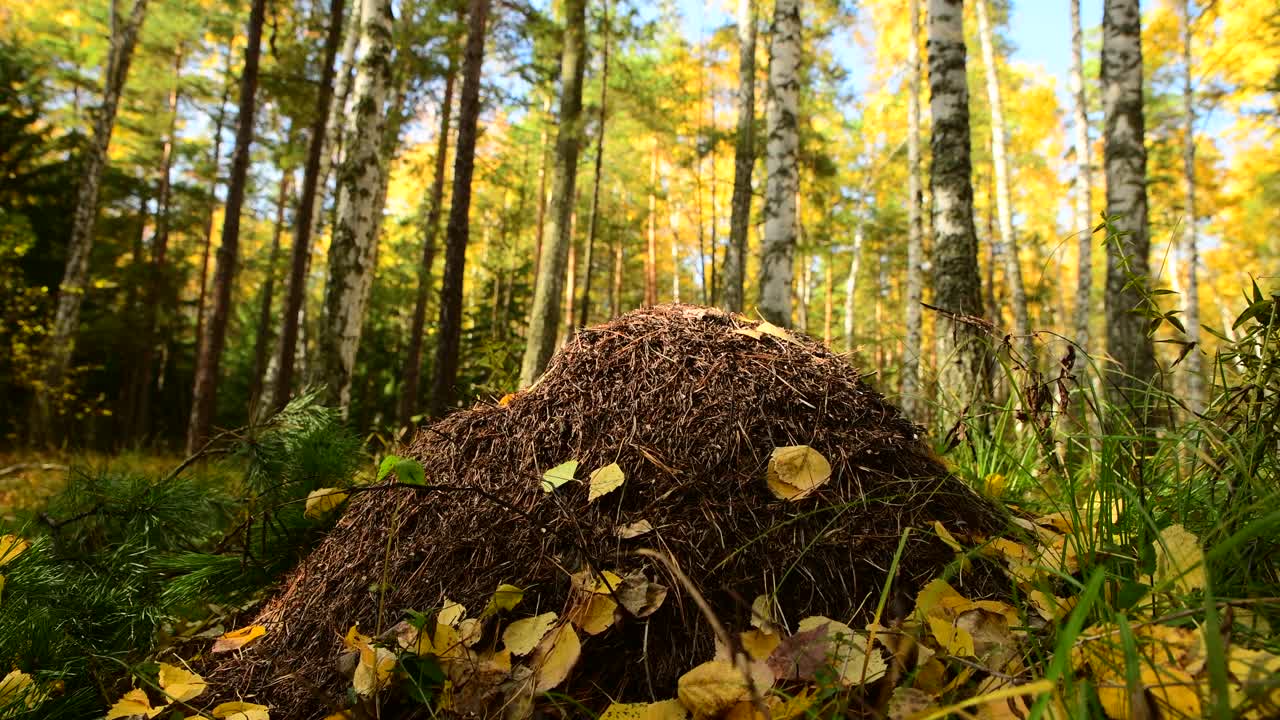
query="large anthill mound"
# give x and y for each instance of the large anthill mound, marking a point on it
(691, 408)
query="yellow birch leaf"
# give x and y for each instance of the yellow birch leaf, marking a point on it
(633, 530)
(322, 502)
(595, 614)
(523, 635)
(18, 686)
(749, 332)
(1050, 607)
(557, 654)
(946, 536)
(11, 546)
(796, 471)
(237, 639)
(762, 613)
(712, 688)
(559, 475)
(907, 703)
(505, 400)
(241, 711)
(134, 703)
(952, 639)
(355, 640)
(180, 684)
(769, 328)
(504, 599)
(373, 673)
(846, 651)
(447, 643)
(1062, 522)
(759, 644)
(470, 630)
(1254, 673)
(451, 613)
(1179, 559)
(664, 710)
(605, 480)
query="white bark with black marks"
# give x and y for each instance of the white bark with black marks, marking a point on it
(1084, 219)
(915, 235)
(781, 165)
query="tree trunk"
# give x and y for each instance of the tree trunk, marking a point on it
(1084, 182)
(570, 285)
(159, 253)
(75, 278)
(353, 248)
(963, 374)
(1125, 160)
(1006, 249)
(651, 257)
(1195, 379)
(544, 320)
(458, 228)
(204, 398)
(262, 341)
(541, 226)
(915, 236)
(215, 156)
(781, 162)
(851, 285)
(675, 257)
(299, 254)
(430, 231)
(585, 314)
(743, 161)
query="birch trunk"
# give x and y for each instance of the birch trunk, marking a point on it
(1191, 251)
(651, 257)
(430, 233)
(1084, 183)
(963, 374)
(300, 253)
(781, 163)
(1006, 249)
(743, 161)
(353, 248)
(75, 278)
(851, 286)
(544, 320)
(1125, 160)
(585, 314)
(915, 236)
(458, 229)
(204, 397)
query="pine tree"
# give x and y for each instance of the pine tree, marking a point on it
(744, 160)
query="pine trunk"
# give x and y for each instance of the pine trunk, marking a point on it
(1084, 183)
(204, 398)
(215, 157)
(743, 161)
(353, 248)
(544, 320)
(781, 163)
(262, 341)
(75, 278)
(1006, 249)
(963, 374)
(915, 236)
(585, 314)
(1191, 251)
(430, 233)
(1125, 160)
(458, 229)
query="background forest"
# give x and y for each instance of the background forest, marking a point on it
(365, 299)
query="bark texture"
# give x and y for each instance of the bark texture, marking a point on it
(1125, 159)
(458, 229)
(262, 340)
(75, 278)
(782, 166)
(205, 396)
(597, 171)
(1083, 184)
(963, 365)
(430, 233)
(1191, 251)
(300, 253)
(744, 160)
(1006, 246)
(549, 287)
(353, 248)
(915, 236)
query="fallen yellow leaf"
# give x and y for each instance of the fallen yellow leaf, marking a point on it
(523, 635)
(1179, 560)
(664, 710)
(759, 644)
(373, 673)
(323, 501)
(594, 614)
(796, 471)
(846, 651)
(16, 687)
(952, 639)
(712, 688)
(237, 639)
(504, 599)
(134, 703)
(354, 639)
(11, 546)
(559, 475)
(241, 711)
(556, 656)
(604, 481)
(179, 684)
(634, 530)
(451, 613)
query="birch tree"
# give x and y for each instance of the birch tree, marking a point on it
(1083, 220)
(1191, 254)
(544, 320)
(458, 230)
(75, 279)
(782, 166)
(353, 248)
(915, 235)
(312, 183)
(963, 373)
(744, 160)
(1006, 248)
(205, 395)
(598, 169)
(1125, 161)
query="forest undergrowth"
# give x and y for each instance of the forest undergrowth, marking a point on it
(1140, 575)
